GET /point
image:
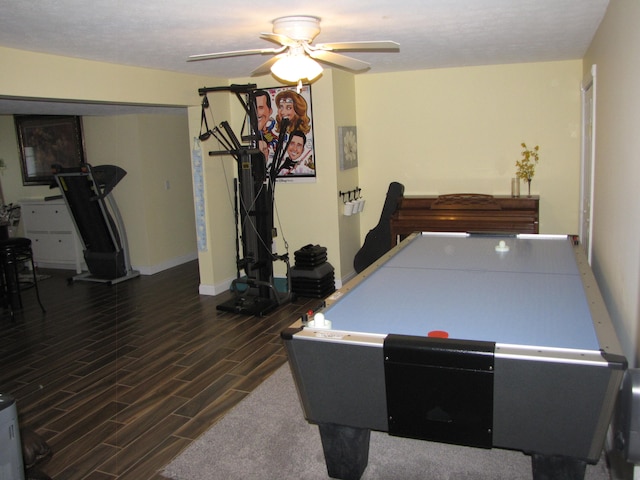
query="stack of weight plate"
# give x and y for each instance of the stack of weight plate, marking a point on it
(312, 276)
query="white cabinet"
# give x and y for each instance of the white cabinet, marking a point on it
(54, 240)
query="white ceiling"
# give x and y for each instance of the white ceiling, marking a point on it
(431, 33)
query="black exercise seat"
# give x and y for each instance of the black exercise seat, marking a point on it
(378, 240)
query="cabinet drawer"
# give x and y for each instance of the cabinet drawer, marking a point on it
(45, 217)
(53, 248)
(54, 240)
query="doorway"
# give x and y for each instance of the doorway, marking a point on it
(588, 91)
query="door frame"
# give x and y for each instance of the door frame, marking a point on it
(588, 161)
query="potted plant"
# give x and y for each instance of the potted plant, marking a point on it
(526, 166)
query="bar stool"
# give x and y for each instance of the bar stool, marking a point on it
(14, 252)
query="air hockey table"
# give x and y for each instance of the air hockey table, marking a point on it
(481, 340)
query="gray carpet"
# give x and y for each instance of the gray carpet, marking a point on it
(266, 437)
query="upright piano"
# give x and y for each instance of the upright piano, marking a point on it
(465, 212)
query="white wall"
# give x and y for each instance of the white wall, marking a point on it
(616, 210)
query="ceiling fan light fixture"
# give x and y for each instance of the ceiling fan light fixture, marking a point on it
(298, 27)
(292, 68)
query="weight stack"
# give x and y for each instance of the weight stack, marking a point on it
(312, 276)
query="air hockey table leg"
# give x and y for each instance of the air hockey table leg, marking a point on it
(346, 450)
(547, 467)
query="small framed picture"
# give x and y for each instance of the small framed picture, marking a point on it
(348, 145)
(46, 140)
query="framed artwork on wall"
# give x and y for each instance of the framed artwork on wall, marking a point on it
(46, 140)
(296, 163)
(348, 145)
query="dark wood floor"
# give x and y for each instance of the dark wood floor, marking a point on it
(120, 379)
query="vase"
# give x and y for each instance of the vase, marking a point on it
(515, 187)
(528, 187)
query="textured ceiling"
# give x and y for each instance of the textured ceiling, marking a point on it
(431, 33)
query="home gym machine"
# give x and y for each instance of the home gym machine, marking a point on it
(87, 191)
(254, 293)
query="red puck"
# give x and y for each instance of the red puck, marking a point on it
(438, 334)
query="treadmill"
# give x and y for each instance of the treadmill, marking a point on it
(87, 192)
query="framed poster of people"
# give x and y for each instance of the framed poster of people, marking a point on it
(46, 140)
(295, 162)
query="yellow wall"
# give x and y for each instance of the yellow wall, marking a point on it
(439, 131)
(154, 150)
(459, 130)
(306, 213)
(35, 75)
(217, 261)
(616, 211)
(345, 116)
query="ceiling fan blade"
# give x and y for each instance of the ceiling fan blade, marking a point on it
(340, 60)
(380, 46)
(278, 38)
(265, 67)
(236, 53)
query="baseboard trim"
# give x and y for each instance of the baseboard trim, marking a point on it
(173, 262)
(214, 290)
(210, 290)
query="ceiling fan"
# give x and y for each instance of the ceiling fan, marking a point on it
(296, 54)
